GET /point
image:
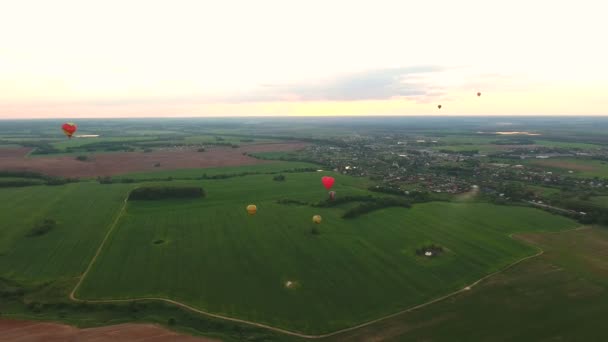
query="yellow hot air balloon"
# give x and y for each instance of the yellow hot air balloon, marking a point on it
(252, 209)
(316, 219)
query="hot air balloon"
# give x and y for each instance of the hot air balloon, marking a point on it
(316, 219)
(69, 129)
(439, 106)
(332, 195)
(328, 182)
(252, 209)
(478, 94)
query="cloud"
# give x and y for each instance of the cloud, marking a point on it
(378, 84)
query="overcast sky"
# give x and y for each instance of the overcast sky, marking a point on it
(74, 59)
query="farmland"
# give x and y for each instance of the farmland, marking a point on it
(216, 258)
(65, 231)
(570, 274)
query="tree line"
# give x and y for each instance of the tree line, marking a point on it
(166, 192)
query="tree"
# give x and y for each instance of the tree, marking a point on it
(171, 321)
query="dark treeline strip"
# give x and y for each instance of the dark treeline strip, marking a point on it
(415, 196)
(23, 174)
(19, 183)
(380, 203)
(110, 180)
(165, 192)
(33, 176)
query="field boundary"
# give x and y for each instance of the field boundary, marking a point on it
(72, 295)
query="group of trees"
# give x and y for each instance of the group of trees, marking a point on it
(379, 203)
(166, 192)
(31, 178)
(279, 178)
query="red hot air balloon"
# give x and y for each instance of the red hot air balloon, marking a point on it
(439, 106)
(328, 182)
(69, 129)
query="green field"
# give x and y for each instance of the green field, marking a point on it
(558, 296)
(83, 212)
(215, 257)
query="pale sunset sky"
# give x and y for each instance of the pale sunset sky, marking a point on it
(76, 59)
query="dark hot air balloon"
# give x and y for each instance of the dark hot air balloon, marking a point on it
(439, 106)
(478, 94)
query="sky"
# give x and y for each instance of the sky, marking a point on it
(178, 58)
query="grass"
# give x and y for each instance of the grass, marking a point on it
(82, 211)
(559, 295)
(217, 258)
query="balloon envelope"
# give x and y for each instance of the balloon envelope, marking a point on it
(439, 106)
(316, 219)
(69, 129)
(328, 182)
(478, 94)
(252, 209)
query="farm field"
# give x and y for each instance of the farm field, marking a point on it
(572, 274)
(580, 167)
(209, 254)
(108, 164)
(82, 211)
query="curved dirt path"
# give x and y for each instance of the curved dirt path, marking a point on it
(283, 331)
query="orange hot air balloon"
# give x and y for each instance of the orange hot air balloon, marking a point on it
(252, 209)
(478, 94)
(439, 106)
(316, 219)
(328, 182)
(69, 129)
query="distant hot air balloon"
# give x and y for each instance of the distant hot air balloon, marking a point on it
(252, 209)
(328, 182)
(69, 129)
(439, 106)
(316, 219)
(478, 94)
(332, 195)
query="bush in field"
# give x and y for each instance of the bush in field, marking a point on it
(42, 228)
(279, 178)
(165, 192)
(202, 149)
(82, 158)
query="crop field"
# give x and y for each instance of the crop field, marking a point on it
(566, 284)
(580, 167)
(82, 212)
(209, 254)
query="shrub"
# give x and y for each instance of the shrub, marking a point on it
(279, 178)
(42, 228)
(82, 158)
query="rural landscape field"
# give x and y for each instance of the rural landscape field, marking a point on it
(432, 226)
